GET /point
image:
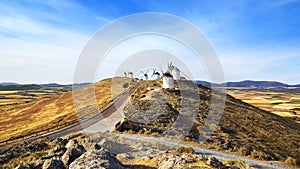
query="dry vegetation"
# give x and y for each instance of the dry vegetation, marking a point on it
(282, 103)
(244, 129)
(52, 112)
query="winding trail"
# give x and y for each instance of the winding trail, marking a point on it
(207, 152)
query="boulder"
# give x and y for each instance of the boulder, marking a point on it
(212, 161)
(98, 158)
(53, 164)
(74, 151)
(21, 167)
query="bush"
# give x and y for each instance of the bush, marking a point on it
(131, 132)
(182, 149)
(238, 163)
(190, 150)
(125, 85)
(290, 161)
(258, 155)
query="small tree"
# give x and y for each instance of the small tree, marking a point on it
(125, 85)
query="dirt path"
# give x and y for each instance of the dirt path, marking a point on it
(207, 152)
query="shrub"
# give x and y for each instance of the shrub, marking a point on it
(148, 133)
(290, 161)
(125, 85)
(72, 136)
(190, 150)
(238, 163)
(182, 149)
(258, 155)
(131, 132)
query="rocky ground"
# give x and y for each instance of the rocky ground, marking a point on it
(104, 150)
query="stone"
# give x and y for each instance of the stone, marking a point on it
(212, 161)
(98, 158)
(74, 151)
(21, 167)
(53, 164)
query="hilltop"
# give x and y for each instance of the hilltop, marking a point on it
(243, 129)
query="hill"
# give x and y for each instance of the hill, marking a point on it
(258, 84)
(243, 129)
(52, 112)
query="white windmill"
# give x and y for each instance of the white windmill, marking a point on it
(144, 75)
(130, 74)
(155, 74)
(175, 72)
(168, 81)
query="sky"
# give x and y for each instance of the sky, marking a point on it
(41, 41)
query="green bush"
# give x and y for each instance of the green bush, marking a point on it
(125, 85)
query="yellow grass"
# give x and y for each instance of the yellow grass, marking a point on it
(48, 113)
(280, 103)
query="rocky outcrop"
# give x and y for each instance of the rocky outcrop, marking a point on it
(21, 167)
(212, 161)
(53, 164)
(74, 150)
(99, 158)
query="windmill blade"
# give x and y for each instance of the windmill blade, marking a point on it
(185, 74)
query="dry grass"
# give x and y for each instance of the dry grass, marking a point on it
(242, 127)
(140, 163)
(284, 104)
(52, 112)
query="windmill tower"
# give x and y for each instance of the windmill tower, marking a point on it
(145, 76)
(125, 74)
(130, 74)
(168, 81)
(155, 74)
(174, 71)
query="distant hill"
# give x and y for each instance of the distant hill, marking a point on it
(51, 85)
(248, 83)
(8, 83)
(19, 87)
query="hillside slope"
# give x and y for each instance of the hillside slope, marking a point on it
(243, 128)
(50, 113)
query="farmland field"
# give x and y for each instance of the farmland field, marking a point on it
(282, 103)
(25, 113)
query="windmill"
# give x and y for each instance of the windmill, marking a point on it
(155, 74)
(167, 77)
(130, 74)
(174, 71)
(144, 75)
(125, 74)
(168, 81)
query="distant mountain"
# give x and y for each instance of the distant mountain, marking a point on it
(64, 85)
(298, 85)
(51, 85)
(205, 83)
(249, 83)
(8, 83)
(80, 84)
(258, 84)
(19, 87)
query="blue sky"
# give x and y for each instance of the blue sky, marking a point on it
(40, 41)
